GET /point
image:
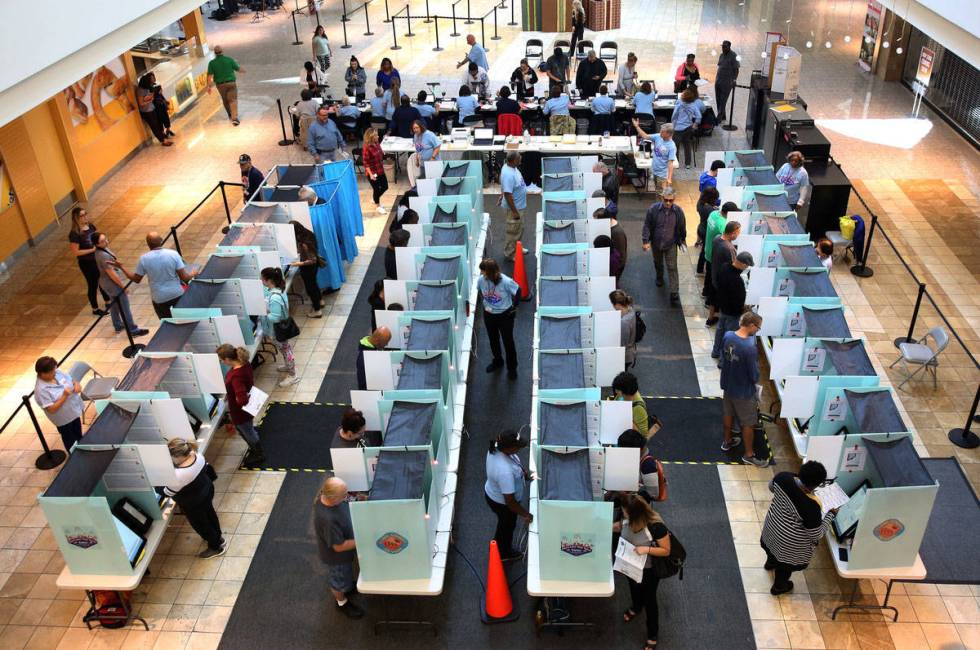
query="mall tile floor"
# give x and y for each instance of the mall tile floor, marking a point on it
(926, 196)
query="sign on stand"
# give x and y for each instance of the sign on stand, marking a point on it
(922, 75)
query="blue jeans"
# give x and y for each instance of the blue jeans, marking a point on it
(248, 433)
(340, 577)
(726, 323)
(121, 301)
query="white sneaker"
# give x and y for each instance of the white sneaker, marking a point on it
(289, 381)
(533, 189)
(525, 251)
(282, 368)
(382, 210)
(316, 314)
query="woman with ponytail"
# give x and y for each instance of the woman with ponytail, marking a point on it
(277, 305)
(193, 490)
(238, 383)
(504, 489)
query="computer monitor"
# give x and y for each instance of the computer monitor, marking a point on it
(132, 543)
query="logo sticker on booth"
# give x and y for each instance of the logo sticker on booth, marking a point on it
(392, 543)
(889, 529)
(83, 538)
(576, 545)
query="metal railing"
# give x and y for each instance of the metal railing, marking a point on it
(430, 18)
(52, 458)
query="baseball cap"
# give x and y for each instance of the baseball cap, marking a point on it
(244, 158)
(745, 258)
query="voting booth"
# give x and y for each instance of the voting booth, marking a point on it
(232, 297)
(434, 264)
(568, 164)
(201, 335)
(810, 356)
(238, 262)
(577, 368)
(563, 260)
(567, 206)
(759, 198)
(574, 328)
(571, 231)
(446, 210)
(794, 317)
(471, 186)
(278, 213)
(195, 379)
(271, 237)
(891, 495)
(572, 291)
(587, 182)
(789, 282)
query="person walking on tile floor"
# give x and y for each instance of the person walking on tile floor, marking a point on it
(323, 139)
(222, 74)
(165, 271)
(112, 284)
(794, 524)
(335, 543)
(476, 55)
(238, 383)
(83, 248)
(739, 375)
(193, 490)
(664, 232)
(277, 306)
(60, 397)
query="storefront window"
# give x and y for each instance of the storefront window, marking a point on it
(179, 65)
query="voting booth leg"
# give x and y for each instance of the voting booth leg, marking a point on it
(51, 458)
(852, 604)
(497, 606)
(964, 437)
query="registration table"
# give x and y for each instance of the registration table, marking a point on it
(584, 144)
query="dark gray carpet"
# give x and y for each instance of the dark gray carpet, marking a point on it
(948, 549)
(298, 435)
(284, 601)
(692, 432)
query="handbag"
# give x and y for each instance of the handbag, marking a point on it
(673, 564)
(209, 470)
(285, 329)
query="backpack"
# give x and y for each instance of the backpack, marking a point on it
(641, 328)
(673, 564)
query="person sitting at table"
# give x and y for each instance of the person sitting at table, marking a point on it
(626, 77)
(603, 104)
(403, 117)
(386, 72)
(466, 104)
(347, 112)
(392, 98)
(556, 108)
(590, 74)
(476, 79)
(378, 102)
(523, 79)
(687, 73)
(426, 110)
(356, 78)
(644, 98)
(506, 105)
(427, 146)
(556, 68)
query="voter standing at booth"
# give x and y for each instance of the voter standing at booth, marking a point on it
(795, 180)
(238, 382)
(60, 397)
(504, 489)
(335, 542)
(193, 491)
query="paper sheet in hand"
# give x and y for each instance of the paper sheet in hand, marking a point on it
(628, 562)
(256, 400)
(831, 496)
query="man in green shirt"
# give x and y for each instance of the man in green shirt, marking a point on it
(221, 73)
(714, 227)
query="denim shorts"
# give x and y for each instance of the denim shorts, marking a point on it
(341, 576)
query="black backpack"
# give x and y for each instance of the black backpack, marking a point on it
(641, 328)
(673, 564)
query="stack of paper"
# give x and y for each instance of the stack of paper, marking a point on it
(831, 496)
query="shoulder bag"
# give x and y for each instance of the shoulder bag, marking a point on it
(285, 329)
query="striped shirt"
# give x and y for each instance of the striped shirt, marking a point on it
(794, 524)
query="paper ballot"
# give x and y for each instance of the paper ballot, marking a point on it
(831, 496)
(628, 562)
(256, 400)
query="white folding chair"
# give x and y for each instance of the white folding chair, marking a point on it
(99, 387)
(841, 244)
(922, 355)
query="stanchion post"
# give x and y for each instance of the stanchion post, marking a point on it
(964, 437)
(469, 14)
(915, 316)
(512, 23)
(316, 12)
(367, 20)
(455, 31)
(173, 233)
(495, 36)
(224, 199)
(387, 14)
(731, 112)
(343, 16)
(343, 24)
(51, 458)
(295, 30)
(408, 19)
(394, 36)
(282, 124)
(428, 18)
(483, 33)
(437, 48)
(861, 270)
(133, 348)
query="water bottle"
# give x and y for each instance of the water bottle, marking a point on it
(527, 137)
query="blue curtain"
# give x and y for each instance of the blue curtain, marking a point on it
(328, 242)
(331, 193)
(343, 172)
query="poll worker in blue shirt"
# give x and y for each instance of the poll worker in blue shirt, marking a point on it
(710, 177)
(346, 111)
(557, 103)
(504, 489)
(643, 100)
(466, 104)
(603, 104)
(324, 140)
(795, 179)
(60, 397)
(499, 294)
(378, 102)
(513, 197)
(476, 54)
(427, 111)
(427, 145)
(664, 155)
(739, 374)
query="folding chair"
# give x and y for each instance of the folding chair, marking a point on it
(609, 51)
(582, 50)
(99, 387)
(564, 46)
(841, 244)
(534, 51)
(922, 355)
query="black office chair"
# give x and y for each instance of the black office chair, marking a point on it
(647, 122)
(357, 155)
(348, 128)
(473, 121)
(534, 51)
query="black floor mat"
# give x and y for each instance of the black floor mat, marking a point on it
(297, 435)
(692, 432)
(955, 516)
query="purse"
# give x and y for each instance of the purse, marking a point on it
(285, 329)
(673, 564)
(209, 470)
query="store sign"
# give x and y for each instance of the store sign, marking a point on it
(872, 25)
(926, 58)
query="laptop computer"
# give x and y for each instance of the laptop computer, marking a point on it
(482, 137)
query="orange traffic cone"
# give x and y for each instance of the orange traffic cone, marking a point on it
(497, 604)
(520, 273)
